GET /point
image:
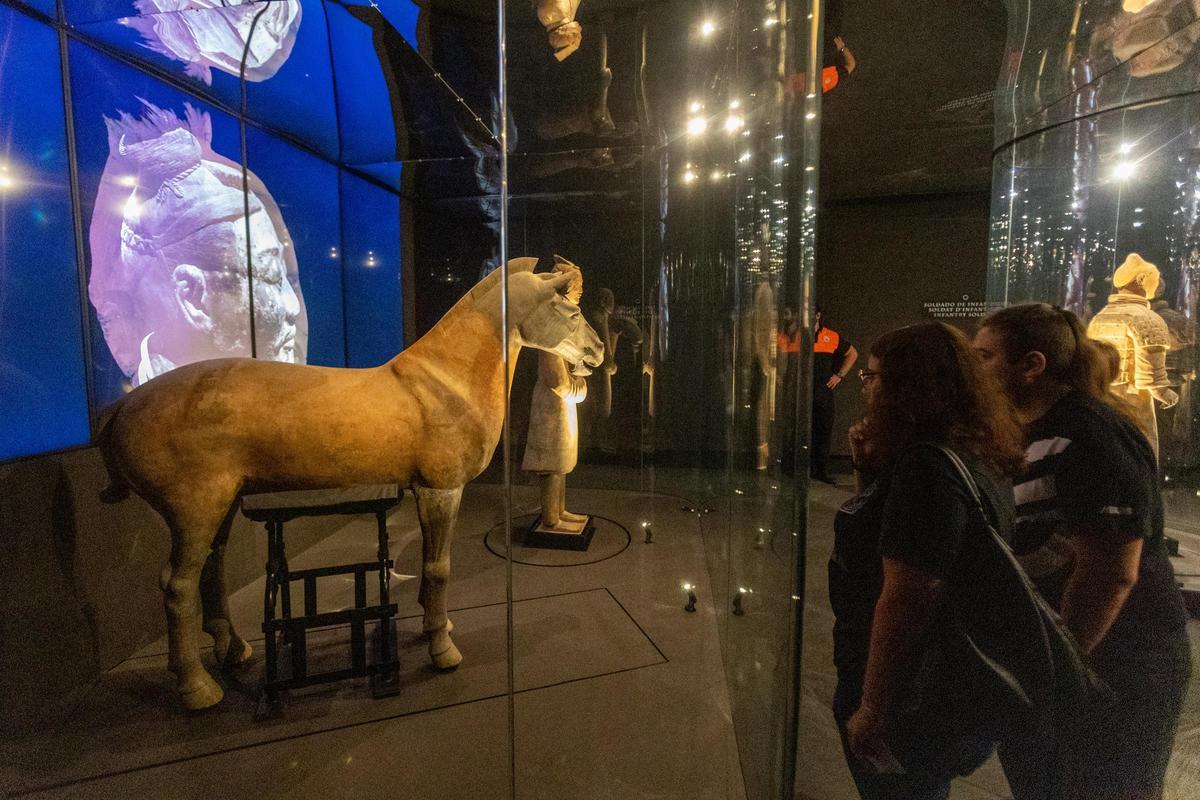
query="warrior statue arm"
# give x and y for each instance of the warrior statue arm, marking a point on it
(1150, 366)
(1150, 372)
(1165, 396)
(628, 328)
(1150, 339)
(600, 324)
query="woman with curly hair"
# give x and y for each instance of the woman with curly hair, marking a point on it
(897, 539)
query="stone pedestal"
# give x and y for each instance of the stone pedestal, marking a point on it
(567, 536)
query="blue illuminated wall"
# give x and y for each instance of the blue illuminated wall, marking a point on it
(163, 201)
(43, 395)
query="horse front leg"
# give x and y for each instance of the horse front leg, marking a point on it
(231, 650)
(437, 510)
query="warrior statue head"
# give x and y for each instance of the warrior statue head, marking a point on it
(1137, 276)
(573, 291)
(176, 246)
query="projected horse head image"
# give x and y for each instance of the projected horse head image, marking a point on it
(191, 441)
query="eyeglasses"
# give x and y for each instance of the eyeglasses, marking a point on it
(867, 375)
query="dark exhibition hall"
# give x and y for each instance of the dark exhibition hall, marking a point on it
(600, 399)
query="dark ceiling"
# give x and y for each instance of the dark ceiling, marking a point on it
(888, 128)
(916, 115)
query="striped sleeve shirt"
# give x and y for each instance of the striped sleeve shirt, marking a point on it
(1090, 472)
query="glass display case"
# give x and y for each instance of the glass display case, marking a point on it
(396, 215)
(1097, 143)
(1097, 159)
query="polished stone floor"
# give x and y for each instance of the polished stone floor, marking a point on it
(619, 693)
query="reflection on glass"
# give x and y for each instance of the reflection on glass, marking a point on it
(216, 34)
(1072, 203)
(1068, 58)
(169, 251)
(1153, 37)
(662, 156)
(1096, 207)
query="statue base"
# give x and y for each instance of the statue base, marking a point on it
(567, 536)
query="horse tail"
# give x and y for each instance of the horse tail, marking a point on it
(118, 488)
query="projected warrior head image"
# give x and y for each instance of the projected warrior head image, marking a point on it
(212, 34)
(168, 241)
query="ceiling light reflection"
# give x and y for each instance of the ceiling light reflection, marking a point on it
(7, 179)
(1124, 170)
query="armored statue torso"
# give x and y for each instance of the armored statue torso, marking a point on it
(1143, 339)
(1140, 336)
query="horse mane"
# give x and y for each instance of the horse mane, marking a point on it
(515, 266)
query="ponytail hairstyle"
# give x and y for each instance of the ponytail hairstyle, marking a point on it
(1072, 359)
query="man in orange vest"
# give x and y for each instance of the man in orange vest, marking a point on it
(833, 358)
(836, 57)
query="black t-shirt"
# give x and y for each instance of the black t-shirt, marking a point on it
(918, 516)
(1091, 471)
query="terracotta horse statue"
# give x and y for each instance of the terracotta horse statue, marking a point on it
(191, 441)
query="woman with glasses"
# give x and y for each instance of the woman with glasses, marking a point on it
(895, 540)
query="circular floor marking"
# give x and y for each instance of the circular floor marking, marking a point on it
(610, 539)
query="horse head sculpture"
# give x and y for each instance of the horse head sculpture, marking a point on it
(554, 323)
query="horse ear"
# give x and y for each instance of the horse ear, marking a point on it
(560, 263)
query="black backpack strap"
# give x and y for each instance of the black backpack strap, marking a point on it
(973, 489)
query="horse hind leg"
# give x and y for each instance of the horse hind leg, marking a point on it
(437, 510)
(192, 535)
(230, 649)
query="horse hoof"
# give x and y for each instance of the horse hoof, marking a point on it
(201, 694)
(447, 660)
(238, 655)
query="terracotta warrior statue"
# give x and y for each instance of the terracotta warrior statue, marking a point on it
(1142, 339)
(761, 338)
(552, 447)
(1150, 37)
